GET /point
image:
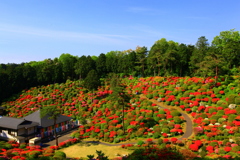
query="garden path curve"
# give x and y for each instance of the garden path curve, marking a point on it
(189, 124)
(186, 135)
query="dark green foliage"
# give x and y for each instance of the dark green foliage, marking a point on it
(59, 154)
(231, 117)
(164, 58)
(231, 99)
(34, 154)
(92, 81)
(237, 100)
(100, 156)
(155, 154)
(175, 113)
(101, 65)
(45, 158)
(83, 66)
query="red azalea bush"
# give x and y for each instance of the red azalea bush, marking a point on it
(206, 99)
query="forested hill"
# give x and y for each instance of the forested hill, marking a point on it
(164, 58)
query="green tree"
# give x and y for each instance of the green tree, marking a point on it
(53, 112)
(183, 57)
(170, 56)
(57, 71)
(156, 56)
(92, 81)
(29, 75)
(228, 44)
(119, 95)
(68, 62)
(112, 59)
(141, 59)
(212, 64)
(4, 83)
(131, 58)
(101, 65)
(123, 64)
(80, 67)
(199, 53)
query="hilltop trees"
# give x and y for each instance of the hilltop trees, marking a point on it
(101, 65)
(68, 62)
(228, 45)
(157, 55)
(198, 54)
(212, 64)
(83, 66)
(183, 56)
(164, 58)
(141, 59)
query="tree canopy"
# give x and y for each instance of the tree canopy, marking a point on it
(164, 58)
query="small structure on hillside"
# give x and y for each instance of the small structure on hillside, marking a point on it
(46, 125)
(33, 126)
(16, 129)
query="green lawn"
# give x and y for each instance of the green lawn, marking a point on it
(83, 149)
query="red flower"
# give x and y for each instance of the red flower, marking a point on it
(164, 135)
(153, 104)
(221, 92)
(198, 142)
(165, 140)
(227, 149)
(209, 148)
(174, 140)
(177, 126)
(193, 147)
(149, 140)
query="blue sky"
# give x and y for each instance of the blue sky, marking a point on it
(34, 30)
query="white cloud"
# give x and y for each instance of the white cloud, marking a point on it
(65, 35)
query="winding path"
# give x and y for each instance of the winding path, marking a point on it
(189, 125)
(186, 135)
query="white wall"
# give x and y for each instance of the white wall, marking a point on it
(5, 134)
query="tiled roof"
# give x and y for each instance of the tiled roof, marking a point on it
(15, 123)
(45, 121)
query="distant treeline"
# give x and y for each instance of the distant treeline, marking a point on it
(164, 58)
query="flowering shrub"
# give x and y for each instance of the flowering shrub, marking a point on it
(68, 142)
(207, 102)
(156, 154)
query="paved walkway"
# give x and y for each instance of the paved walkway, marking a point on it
(189, 124)
(63, 137)
(189, 127)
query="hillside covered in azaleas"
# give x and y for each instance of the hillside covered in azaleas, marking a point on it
(213, 103)
(172, 95)
(163, 58)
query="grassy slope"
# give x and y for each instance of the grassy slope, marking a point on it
(79, 150)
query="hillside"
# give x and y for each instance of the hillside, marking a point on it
(213, 105)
